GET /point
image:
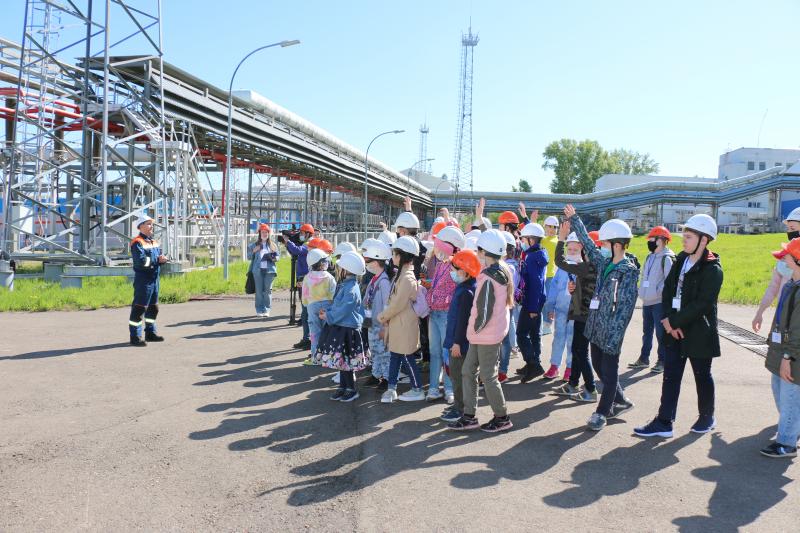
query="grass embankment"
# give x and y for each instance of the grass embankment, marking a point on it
(745, 259)
(39, 295)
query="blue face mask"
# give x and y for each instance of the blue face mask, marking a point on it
(605, 252)
(525, 246)
(455, 277)
(784, 269)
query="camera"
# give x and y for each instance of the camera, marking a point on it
(292, 235)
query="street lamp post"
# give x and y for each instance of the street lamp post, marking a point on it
(435, 192)
(227, 176)
(366, 173)
(411, 169)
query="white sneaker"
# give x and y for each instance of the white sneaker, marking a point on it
(259, 315)
(390, 396)
(336, 378)
(265, 314)
(450, 399)
(547, 329)
(413, 395)
(433, 395)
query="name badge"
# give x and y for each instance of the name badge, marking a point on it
(776, 337)
(646, 283)
(595, 303)
(676, 304)
(368, 313)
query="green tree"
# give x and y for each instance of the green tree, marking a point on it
(630, 162)
(576, 165)
(523, 186)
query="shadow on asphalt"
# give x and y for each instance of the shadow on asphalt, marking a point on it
(209, 322)
(64, 351)
(218, 334)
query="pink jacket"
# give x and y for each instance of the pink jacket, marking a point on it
(489, 317)
(442, 288)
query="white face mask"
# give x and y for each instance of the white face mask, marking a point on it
(784, 269)
(574, 258)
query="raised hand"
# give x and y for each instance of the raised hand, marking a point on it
(407, 203)
(522, 210)
(479, 207)
(569, 210)
(563, 231)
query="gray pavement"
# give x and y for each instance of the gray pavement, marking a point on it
(221, 428)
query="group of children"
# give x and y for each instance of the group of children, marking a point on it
(479, 295)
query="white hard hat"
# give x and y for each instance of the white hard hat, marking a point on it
(471, 243)
(407, 244)
(352, 262)
(510, 240)
(315, 255)
(428, 245)
(794, 215)
(452, 235)
(407, 219)
(702, 224)
(532, 230)
(368, 242)
(573, 238)
(378, 250)
(343, 247)
(493, 242)
(474, 234)
(483, 221)
(438, 219)
(551, 221)
(615, 229)
(387, 237)
(142, 219)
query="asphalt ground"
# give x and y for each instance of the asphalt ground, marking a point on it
(222, 428)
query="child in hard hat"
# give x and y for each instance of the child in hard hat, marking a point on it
(510, 341)
(533, 269)
(558, 301)
(340, 346)
(656, 267)
(549, 243)
(610, 310)
(572, 259)
(783, 357)
(319, 286)
(488, 324)
(690, 299)
(376, 296)
(464, 268)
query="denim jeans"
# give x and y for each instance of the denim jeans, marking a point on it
(562, 339)
(409, 361)
(674, 364)
(787, 399)
(379, 352)
(607, 367)
(528, 337)
(580, 358)
(304, 321)
(437, 327)
(548, 307)
(510, 341)
(263, 289)
(315, 323)
(652, 315)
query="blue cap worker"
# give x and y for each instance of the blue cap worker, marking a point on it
(147, 261)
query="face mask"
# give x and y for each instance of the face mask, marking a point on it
(652, 245)
(455, 277)
(574, 259)
(784, 269)
(525, 246)
(302, 238)
(793, 234)
(605, 252)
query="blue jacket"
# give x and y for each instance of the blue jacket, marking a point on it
(300, 252)
(558, 296)
(458, 316)
(532, 275)
(346, 309)
(616, 290)
(255, 259)
(145, 251)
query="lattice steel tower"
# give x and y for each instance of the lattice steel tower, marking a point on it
(423, 165)
(462, 166)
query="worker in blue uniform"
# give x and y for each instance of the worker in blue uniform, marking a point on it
(147, 261)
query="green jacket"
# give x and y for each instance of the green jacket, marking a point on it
(790, 341)
(697, 317)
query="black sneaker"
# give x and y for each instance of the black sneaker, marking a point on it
(497, 424)
(450, 415)
(349, 396)
(619, 408)
(372, 381)
(521, 370)
(338, 395)
(704, 424)
(382, 386)
(304, 344)
(658, 368)
(656, 428)
(532, 373)
(465, 423)
(149, 336)
(138, 342)
(777, 450)
(639, 363)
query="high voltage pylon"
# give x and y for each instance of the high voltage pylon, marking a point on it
(462, 166)
(423, 165)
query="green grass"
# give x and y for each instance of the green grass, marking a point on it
(39, 295)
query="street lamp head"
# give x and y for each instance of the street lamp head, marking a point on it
(293, 42)
(399, 131)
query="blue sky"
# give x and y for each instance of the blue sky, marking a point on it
(682, 80)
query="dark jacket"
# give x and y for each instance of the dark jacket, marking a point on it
(145, 251)
(697, 317)
(300, 252)
(458, 316)
(586, 278)
(790, 341)
(532, 277)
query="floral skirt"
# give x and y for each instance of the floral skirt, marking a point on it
(341, 348)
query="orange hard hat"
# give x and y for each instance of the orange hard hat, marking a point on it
(264, 227)
(660, 231)
(595, 236)
(791, 248)
(308, 228)
(437, 227)
(313, 242)
(325, 245)
(467, 260)
(508, 217)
